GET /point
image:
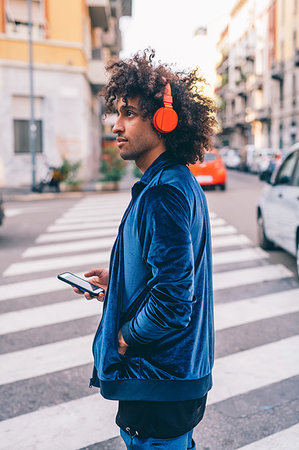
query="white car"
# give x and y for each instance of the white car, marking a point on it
(278, 208)
(232, 158)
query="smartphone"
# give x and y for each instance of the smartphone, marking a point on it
(80, 283)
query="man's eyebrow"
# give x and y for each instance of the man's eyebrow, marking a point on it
(124, 107)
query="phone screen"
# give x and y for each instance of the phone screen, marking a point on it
(80, 283)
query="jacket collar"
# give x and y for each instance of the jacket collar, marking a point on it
(162, 161)
(156, 167)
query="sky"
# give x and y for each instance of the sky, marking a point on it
(168, 26)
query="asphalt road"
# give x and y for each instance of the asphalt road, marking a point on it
(46, 332)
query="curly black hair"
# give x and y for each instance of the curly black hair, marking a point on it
(139, 76)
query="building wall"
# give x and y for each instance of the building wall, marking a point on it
(68, 115)
(65, 95)
(270, 30)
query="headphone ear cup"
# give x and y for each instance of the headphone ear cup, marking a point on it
(165, 119)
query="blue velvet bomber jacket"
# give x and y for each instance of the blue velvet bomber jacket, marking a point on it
(159, 293)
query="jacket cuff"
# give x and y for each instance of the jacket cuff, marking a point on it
(127, 335)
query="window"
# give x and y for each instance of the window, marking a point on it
(21, 135)
(17, 19)
(286, 171)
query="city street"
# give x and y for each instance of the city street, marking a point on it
(47, 331)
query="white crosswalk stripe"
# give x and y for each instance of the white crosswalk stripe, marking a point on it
(48, 315)
(69, 236)
(283, 440)
(43, 265)
(82, 237)
(69, 247)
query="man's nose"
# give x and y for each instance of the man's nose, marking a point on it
(118, 126)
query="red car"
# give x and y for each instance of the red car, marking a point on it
(212, 171)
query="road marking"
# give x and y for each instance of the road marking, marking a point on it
(31, 287)
(41, 316)
(42, 265)
(83, 226)
(68, 236)
(218, 222)
(67, 426)
(287, 439)
(252, 369)
(69, 247)
(234, 314)
(44, 359)
(233, 375)
(92, 219)
(245, 277)
(230, 241)
(226, 315)
(235, 256)
(228, 229)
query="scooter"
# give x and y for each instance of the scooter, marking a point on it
(52, 179)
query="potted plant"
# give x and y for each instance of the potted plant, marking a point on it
(112, 168)
(70, 182)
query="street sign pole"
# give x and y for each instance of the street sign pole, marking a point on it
(32, 125)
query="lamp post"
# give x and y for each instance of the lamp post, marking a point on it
(32, 125)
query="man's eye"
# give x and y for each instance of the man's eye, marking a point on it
(130, 113)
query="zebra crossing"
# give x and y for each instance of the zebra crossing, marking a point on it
(72, 416)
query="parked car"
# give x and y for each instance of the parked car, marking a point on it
(273, 164)
(232, 158)
(260, 159)
(1, 209)
(278, 208)
(246, 157)
(211, 172)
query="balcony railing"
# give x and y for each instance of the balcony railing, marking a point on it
(263, 114)
(99, 11)
(277, 71)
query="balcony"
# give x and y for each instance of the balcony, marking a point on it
(277, 71)
(99, 11)
(96, 72)
(240, 118)
(241, 88)
(263, 114)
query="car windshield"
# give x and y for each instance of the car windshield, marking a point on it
(210, 157)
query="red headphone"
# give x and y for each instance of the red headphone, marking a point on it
(166, 119)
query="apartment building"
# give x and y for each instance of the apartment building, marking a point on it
(258, 74)
(72, 42)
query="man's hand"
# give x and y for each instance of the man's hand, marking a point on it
(122, 345)
(99, 278)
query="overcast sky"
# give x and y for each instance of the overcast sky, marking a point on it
(168, 26)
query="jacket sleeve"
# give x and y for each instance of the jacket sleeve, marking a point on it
(165, 236)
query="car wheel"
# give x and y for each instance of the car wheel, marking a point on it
(223, 187)
(263, 241)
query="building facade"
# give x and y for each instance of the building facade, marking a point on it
(72, 42)
(258, 75)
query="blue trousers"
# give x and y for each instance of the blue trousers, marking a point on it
(184, 442)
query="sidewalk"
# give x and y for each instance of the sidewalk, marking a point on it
(24, 193)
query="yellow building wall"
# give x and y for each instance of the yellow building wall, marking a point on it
(285, 26)
(288, 6)
(42, 53)
(2, 16)
(65, 21)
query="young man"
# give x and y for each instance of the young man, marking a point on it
(154, 347)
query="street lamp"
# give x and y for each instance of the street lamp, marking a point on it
(32, 124)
